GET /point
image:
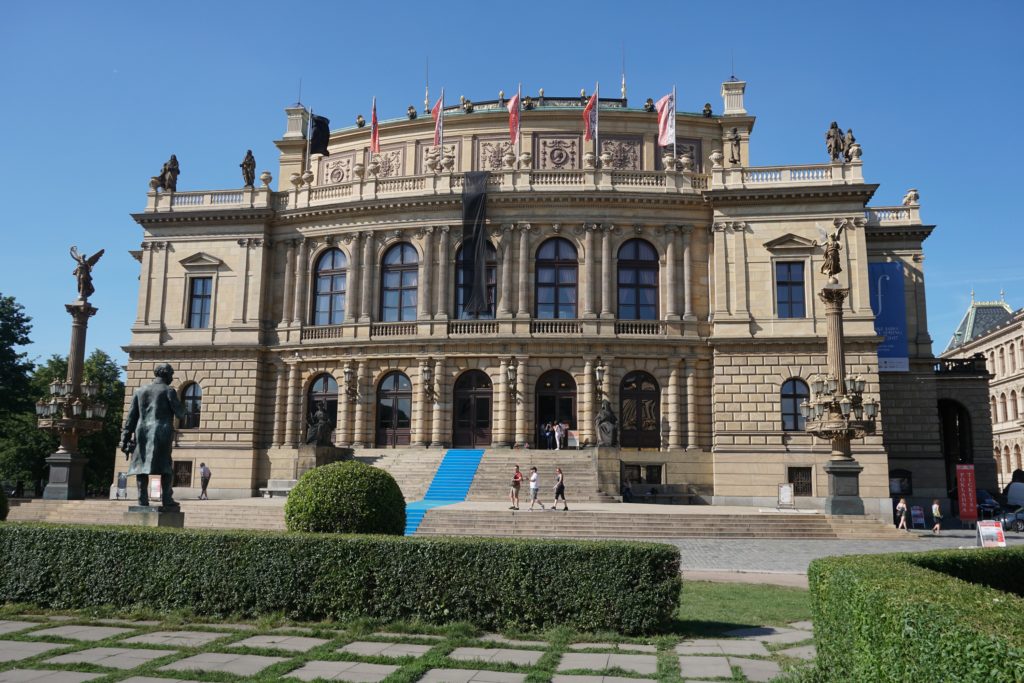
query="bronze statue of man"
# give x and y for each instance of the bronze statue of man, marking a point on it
(734, 146)
(168, 178)
(148, 435)
(248, 169)
(834, 141)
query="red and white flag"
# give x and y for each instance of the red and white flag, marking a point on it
(666, 107)
(374, 129)
(590, 118)
(438, 113)
(513, 118)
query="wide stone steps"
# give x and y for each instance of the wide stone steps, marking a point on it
(494, 476)
(413, 469)
(198, 514)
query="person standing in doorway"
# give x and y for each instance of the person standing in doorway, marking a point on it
(901, 512)
(549, 436)
(513, 494)
(559, 490)
(204, 480)
(535, 489)
(559, 436)
(936, 516)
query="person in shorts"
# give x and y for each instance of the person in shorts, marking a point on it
(534, 489)
(513, 494)
(204, 480)
(936, 516)
(559, 489)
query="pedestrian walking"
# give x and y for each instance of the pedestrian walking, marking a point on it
(513, 494)
(559, 436)
(204, 480)
(937, 516)
(534, 489)
(559, 489)
(901, 512)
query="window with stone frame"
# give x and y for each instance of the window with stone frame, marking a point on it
(794, 392)
(637, 281)
(463, 286)
(790, 298)
(801, 479)
(398, 283)
(200, 301)
(556, 280)
(192, 401)
(330, 287)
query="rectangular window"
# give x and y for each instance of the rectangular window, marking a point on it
(200, 296)
(183, 473)
(800, 478)
(789, 289)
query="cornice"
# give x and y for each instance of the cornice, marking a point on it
(776, 194)
(227, 216)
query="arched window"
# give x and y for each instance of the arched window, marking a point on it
(995, 410)
(1013, 405)
(1017, 458)
(1006, 457)
(331, 285)
(1002, 361)
(794, 392)
(1002, 407)
(464, 273)
(394, 410)
(639, 411)
(192, 399)
(557, 267)
(638, 281)
(323, 391)
(1013, 358)
(398, 283)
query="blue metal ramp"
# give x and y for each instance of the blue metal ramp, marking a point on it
(450, 485)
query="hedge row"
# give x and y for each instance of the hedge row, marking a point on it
(629, 587)
(910, 617)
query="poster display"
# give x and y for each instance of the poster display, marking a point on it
(786, 496)
(990, 534)
(967, 493)
(890, 309)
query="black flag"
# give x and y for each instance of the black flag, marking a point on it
(320, 136)
(474, 242)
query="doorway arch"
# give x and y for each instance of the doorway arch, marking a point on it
(556, 398)
(394, 410)
(639, 411)
(471, 418)
(957, 443)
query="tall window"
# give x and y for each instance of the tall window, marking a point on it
(1002, 408)
(1013, 405)
(398, 283)
(1013, 358)
(463, 285)
(331, 285)
(1002, 361)
(556, 279)
(789, 289)
(794, 392)
(638, 281)
(192, 398)
(394, 410)
(200, 296)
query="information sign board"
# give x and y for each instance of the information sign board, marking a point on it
(786, 496)
(990, 534)
(967, 493)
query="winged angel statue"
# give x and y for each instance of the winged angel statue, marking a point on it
(83, 272)
(831, 265)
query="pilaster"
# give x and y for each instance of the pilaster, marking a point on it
(443, 259)
(523, 293)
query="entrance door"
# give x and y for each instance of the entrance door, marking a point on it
(394, 410)
(639, 411)
(472, 416)
(556, 399)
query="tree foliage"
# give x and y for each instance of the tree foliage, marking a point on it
(14, 364)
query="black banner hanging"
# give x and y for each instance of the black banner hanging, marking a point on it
(474, 243)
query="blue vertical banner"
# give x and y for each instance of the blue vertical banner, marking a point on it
(890, 309)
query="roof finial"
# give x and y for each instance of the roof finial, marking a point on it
(972, 295)
(1002, 295)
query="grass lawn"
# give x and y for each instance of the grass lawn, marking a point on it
(710, 608)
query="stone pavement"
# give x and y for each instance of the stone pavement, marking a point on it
(32, 650)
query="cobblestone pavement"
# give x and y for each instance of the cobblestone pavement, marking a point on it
(85, 649)
(793, 556)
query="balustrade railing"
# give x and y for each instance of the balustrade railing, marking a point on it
(952, 366)
(786, 174)
(645, 328)
(322, 332)
(638, 179)
(556, 327)
(472, 327)
(392, 329)
(882, 215)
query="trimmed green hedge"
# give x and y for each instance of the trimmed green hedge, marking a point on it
(908, 617)
(347, 498)
(629, 587)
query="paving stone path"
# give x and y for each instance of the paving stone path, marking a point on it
(34, 650)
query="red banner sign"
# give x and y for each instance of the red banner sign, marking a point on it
(967, 493)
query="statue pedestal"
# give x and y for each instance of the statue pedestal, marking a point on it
(843, 488)
(153, 515)
(65, 482)
(311, 455)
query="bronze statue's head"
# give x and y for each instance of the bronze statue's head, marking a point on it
(164, 371)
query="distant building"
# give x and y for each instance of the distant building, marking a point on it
(680, 283)
(993, 331)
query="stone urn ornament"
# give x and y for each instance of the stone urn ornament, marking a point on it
(526, 160)
(668, 162)
(606, 160)
(448, 162)
(717, 158)
(307, 178)
(374, 166)
(296, 179)
(509, 159)
(686, 163)
(154, 182)
(359, 169)
(266, 178)
(589, 160)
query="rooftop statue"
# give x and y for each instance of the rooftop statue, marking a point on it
(707, 110)
(734, 146)
(148, 434)
(248, 169)
(848, 142)
(834, 141)
(83, 272)
(168, 178)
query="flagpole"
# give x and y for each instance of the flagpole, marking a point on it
(674, 105)
(597, 119)
(519, 119)
(426, 86)
(440, 120)
(309, 135)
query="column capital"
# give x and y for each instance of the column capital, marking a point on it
(348, 237)
(860, 222)
(443, 229)
(507, 227)
(686, 229)
(425, 230)
(524, 227)
(608, 228)
(721, 227)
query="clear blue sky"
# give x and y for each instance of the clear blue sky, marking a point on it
(97, 95)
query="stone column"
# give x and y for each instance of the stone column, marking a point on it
(675, 423)
(587, 408)
(523, 431)
(241, 282)
(523, 294)
(687, 231)
(352, 281)
(721, 307)
(145, 275)
(363, 416)
(501, 430)
(287, 305)
(691, 406)
(739, 265)
(607, 272)
(366, 288)
(160, 285)
(441, 401)
(294, 404)
(299, 305)
(443, 279)
(589, 309)
(505, 300)
(424, 300)
(671, 309)
(280, 405)
(421, 399)
(833, 296)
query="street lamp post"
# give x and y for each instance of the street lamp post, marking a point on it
(73, 410)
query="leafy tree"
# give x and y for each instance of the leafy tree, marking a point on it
(14, 365)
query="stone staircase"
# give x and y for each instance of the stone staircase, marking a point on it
(413, 469)
(198, 514)
(867, 528)
(494, 475)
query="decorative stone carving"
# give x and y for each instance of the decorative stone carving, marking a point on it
(589, 160)
(686, 163)
(296, 179)
(359, 170)
(307, 177)
(431, 158)
(390, 162)
(606, 160)
(374, 166)
(716, 158)
(508, 158)
(684, 146)
(490, 154)
(526, 159)
(911, 198)
(337, 168)
(668, 162)
(266, 178)
(558, 152)
(624, 153)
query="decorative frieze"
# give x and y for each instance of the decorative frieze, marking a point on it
(626, 153)
(337, 168)
(557, 152)
(490, 152)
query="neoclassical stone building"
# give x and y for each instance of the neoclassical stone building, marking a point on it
(680, 288)
(992, 333)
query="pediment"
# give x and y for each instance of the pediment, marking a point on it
(201, 260)
(790, 243)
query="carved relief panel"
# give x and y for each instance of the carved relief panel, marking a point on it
(689, 146)
(392, 161)
(336, 168)
(627, 152)
(489, 151)
(556, 152)
(425, 147)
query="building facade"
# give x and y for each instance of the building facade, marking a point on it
(679, 283)
(991, 333)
